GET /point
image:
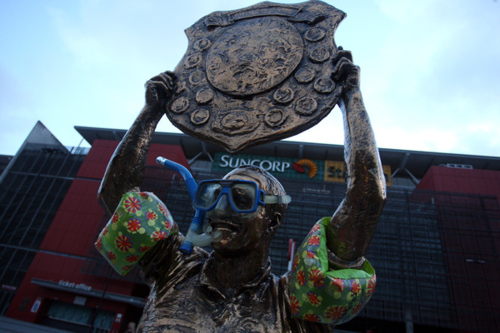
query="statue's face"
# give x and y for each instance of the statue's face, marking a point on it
(241, 232)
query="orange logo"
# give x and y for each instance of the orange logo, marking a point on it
(311, 166)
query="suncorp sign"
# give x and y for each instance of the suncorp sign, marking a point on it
(285, 167)
(232, 162)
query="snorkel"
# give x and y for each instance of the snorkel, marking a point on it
(194, 236)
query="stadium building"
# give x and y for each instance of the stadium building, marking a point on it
(436, 249)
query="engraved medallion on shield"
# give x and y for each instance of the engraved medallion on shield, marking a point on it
(252, 58)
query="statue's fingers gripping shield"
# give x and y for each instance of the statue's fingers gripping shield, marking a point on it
(257, 74)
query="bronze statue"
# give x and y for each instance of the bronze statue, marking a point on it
(232, 289)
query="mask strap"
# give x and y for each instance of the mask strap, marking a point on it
(277, 199)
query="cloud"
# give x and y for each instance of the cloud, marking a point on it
(86, 47)
(429, 68)
(433, 74)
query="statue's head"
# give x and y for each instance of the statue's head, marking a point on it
(246, 216)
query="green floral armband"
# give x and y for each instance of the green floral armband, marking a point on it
(139, 221)
(320, 294)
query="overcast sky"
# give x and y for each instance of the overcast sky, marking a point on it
(430, 70)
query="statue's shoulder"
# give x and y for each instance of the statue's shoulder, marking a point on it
(165, 260)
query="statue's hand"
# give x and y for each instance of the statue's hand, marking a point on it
(159, 89)
(345, 72)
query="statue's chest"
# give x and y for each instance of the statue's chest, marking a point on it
(189, 307)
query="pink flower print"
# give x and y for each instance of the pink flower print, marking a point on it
(355, 287)
(157, 235)
(339, 283)
(105, 231)
(151, 215)
(335, 312)
(163, 209)
(311, 255)
(111, 255)
(301, 277)
(144, 195)
(126, 268)
(294, 304)
(295, 263)
(314, 229)
(357, 308)
(144, 248)
(133, 225)
(313, 240)
(311, 317)
(115, 218)
(132, 259)
(132, 204)
(316, 277)
(313, 298)
(123, 243)
(98, 245)
(371, 286)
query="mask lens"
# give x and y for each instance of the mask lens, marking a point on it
(207, 195)
(243, 196)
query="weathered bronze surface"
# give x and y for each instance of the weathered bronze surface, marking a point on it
(353, 224)
(258, 74)
(232, 290)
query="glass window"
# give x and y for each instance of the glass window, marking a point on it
(79, 314)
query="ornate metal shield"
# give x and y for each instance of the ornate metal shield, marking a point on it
(258, 74)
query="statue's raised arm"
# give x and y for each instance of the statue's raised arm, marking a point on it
(352, 226)
(126, 167)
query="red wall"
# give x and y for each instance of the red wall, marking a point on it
(485, 182)
(97, 160)
(73, 232)
(471, 237)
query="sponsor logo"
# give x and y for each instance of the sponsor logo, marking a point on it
(300, 165)
(228, 161)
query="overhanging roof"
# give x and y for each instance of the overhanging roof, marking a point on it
(417, 162)
(135, 301)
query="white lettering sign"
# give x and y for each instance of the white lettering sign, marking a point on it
(228, 161)
(80, 286)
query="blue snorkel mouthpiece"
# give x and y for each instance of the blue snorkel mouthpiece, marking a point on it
(194, 236)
